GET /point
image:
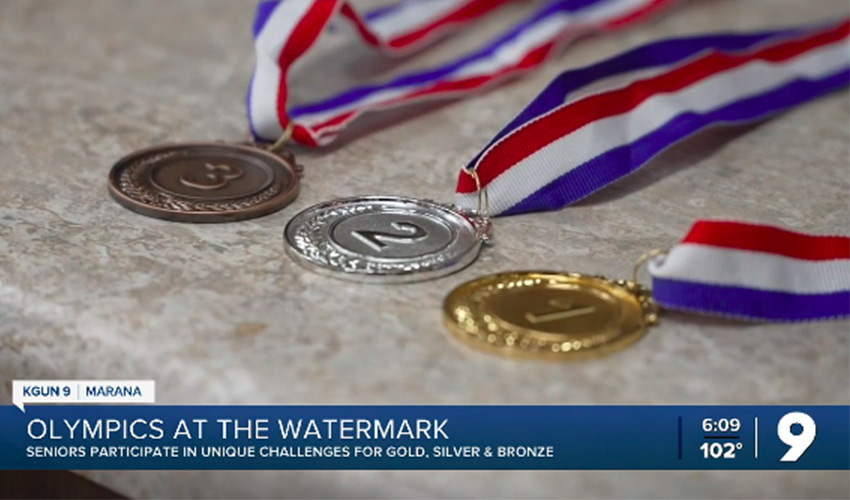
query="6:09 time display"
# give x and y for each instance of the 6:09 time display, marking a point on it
(721, 425)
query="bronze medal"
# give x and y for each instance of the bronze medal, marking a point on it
(204, 182)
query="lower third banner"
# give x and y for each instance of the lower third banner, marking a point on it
(425, 437)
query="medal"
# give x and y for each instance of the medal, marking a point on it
(549, 315)
(204, 182)
(385, 239)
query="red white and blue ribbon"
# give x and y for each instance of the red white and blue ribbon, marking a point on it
(595, 125)
(285, 30)
(755, 272)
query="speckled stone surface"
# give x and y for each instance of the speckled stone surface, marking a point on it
(218, 314)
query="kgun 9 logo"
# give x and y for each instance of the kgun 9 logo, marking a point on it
(798, 441)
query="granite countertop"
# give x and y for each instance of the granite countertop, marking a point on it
(218, 314)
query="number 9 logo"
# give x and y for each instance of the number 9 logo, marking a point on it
(799, 443)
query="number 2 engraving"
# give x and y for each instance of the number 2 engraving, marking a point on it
(378, 240)
(563, 309)
(217, 177)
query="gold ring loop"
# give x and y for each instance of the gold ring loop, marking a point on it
(643, 259)
(278, 145)
(483, 194)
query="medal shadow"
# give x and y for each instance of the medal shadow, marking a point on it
(687, 154)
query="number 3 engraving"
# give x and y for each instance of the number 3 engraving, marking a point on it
(217, 177)
(378, 240)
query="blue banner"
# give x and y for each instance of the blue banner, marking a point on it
(425, 437)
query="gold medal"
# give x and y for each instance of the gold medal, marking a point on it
(548, 314)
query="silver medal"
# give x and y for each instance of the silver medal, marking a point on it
(385, 238)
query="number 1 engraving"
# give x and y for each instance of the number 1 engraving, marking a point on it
(563, 309)
(411, 233)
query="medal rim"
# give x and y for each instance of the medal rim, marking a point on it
(617, 343)
(288, 191)
(457, 264)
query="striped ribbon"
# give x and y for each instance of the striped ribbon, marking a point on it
(755, 272)
(595, 125)
(285, 29)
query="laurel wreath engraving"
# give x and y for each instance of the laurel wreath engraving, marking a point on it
(134, 183)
